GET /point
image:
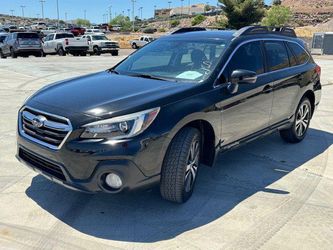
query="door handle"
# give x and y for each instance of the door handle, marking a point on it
(267, 89)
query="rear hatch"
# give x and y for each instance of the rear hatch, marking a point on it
(28, 40)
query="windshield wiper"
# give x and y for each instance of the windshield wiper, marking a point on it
(114, 71)
(149, 77)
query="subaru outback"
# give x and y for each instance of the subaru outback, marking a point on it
(168, 109)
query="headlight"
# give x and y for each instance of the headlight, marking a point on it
(120, 127)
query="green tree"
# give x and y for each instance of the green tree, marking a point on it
(82, 22)
(198, 19)
(242, 13)
(277, 15)
(123, 21)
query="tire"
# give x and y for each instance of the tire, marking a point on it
(12, 53)
(178, 174)
(61, 52)
(115, 53)
(96, 51)
(2, 55)
(297, 132)
(83, 54)
(134, 46)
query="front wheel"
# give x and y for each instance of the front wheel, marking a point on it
(97, 51)
(299, 128)
(2, 55)
(180, 166)
(115, 53)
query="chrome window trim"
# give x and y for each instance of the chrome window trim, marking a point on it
(23, 134)
(265, 73)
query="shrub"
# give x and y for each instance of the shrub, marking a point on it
(198, 19)
(277, 16)
(161, 30)
(174, 23)
(149, 30)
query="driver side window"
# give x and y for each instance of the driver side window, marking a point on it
(249, 57)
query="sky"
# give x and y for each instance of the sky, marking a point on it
(94, 8)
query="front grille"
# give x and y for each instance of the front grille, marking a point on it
(41, 164)
(46, 129)
(111, 44)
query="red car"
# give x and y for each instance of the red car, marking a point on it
(78, 31)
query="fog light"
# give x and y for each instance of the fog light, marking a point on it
(113, 180)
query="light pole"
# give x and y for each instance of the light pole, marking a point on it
(66, 17)
(37, 15)
(57, 14)
(189, 7)
(155, 11)
(140, 11)
(85, 14)
(129, 13)
(42, 3)
(22, 6)
(133, 17)
(169, 4)
(181, 10)
(110, 12)
(12, 11)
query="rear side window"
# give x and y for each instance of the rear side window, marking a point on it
(60, 36)
(277, 55)
(301, 55)
(28, 35)
(248, 57)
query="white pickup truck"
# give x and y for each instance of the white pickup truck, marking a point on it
(100, 44)
(65, 43)
(141, 42)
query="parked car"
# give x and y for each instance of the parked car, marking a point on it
(21, 44)
(168, 109)
(38, 26)
(142, 41)
(65, 43)
(78, 31)
(93, 32)
(100, 44)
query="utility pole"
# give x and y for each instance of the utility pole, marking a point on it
(12, 11)
(42, 3)
(22, 6)
(58, 14)
(110, 12)
(133, 17)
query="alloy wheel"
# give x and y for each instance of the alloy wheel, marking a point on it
(192, 165)
(302, 119)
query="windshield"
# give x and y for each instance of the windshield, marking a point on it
(178, 60)
(99, 38)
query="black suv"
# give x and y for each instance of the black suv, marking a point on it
(167, 109)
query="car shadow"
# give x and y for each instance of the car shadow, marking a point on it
(145, 217)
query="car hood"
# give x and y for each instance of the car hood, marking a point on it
(106, 94)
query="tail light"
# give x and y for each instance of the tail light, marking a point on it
(66, 41)
(318, 69)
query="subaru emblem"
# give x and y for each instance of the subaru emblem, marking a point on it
(38, 121)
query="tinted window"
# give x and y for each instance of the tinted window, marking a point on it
(2, 38)
(292, 58)
(301, 55)
(277, 55)
(248, 57)
(60, 36)
(28, 35)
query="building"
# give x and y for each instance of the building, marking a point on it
(162, 13)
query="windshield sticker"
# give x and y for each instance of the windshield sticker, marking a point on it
(190, 75)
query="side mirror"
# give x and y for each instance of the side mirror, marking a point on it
(241, 76)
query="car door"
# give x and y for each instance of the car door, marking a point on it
(5, 48)
(46, 44)
(285, 80)
(246, 112)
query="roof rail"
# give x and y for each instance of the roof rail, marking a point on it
(255, 30)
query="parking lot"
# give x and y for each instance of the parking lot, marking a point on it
(267, 194)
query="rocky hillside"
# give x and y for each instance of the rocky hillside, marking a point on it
(309, 6)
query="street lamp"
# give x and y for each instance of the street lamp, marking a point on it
(133, 18)
(129, 13)
(169, 4)
(57, 14)
(181, 10)
(22, 6)
(85, 14)
(42, 3)
(12, 11)
(110, 12)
